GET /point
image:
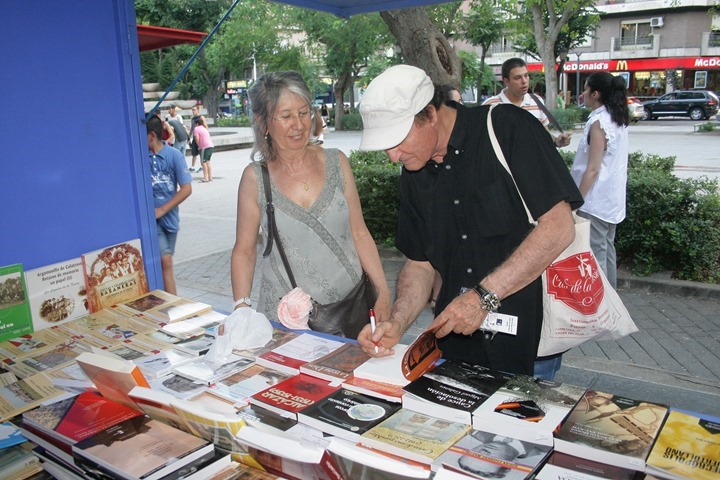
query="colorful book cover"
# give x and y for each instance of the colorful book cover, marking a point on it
(415, 436)
(291, 396)
(338, 365)
(246, 383)
(15, 318)
(58, 355)
(481, 454)
(10, 435)
(30, 343)
(305, 348)
(23, 395)
(386, 391)
(347, 414)
(57, 293)
(688, 446)
(114, 274)
(611, 429)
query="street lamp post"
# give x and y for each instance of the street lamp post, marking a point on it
(577, 78)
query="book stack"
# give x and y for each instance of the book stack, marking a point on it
(291, 355)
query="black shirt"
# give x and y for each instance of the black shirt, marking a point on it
(465, 217)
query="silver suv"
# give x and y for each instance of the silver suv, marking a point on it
(696, 104)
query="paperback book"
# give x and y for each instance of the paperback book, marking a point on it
(302, 349)
(57, 356)
(528, 407)
(291, 396)
(216, 425)
(177, 386)
(453, 390)
(113, 377)
(688, 446)
(347, 414)
(358, 462)
(265, 419)
(157, 405)
(204, 371)
(481, 454)
(107, 325)
(22, 395)
(163, 363)
(611, 429)
(195, 345)
(561, 466)
(163, 308)
(57, 293)
(386, 391)
(18, 462)
(10, 435)
(114, 274)
(338, 365)
(406, 364)
(414, 436)
(240, 386)
(15, 319)
(195, 326)
(30, 343)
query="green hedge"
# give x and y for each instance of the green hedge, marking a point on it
(672, 224)
(236, 121)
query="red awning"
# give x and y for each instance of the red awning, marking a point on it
(152, 38)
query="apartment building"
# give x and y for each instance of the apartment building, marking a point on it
(656, 45)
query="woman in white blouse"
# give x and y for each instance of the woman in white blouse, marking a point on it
(600, 166)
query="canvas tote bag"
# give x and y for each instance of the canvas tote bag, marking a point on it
(579, 304)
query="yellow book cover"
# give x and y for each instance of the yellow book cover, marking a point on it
(688, 446)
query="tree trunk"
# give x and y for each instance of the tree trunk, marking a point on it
(423, 45)
(339, 90)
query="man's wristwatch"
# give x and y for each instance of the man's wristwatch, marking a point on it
(489, 301)
(240, 301)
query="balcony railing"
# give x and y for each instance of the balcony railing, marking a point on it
(636, 43)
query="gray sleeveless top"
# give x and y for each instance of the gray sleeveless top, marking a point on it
(318, 243)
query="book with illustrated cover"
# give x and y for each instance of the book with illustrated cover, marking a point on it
(688, 446)
(414, 436)
(105, 324)
(113, 377)
(139, 305)
(278, 338)
(302, 349)
(195, 345)
(356, 461)
(18, 462)
(163, 363)
(78, 417)
(611, 429)
(481, 454)
(453, 390)
(338, 365)
(177, 386)
(30, 343)
(213, 423)
(10, 435)
(386, 391)
(140, 448)
(23, 395)
(291, 396)
(114, 274)
(528, 408)
(57, 293)
(265, 419)
(204, 371)
(195, 326)
(15, 318)
(240, 386)
(561, 466)
(347, 414)
(406, 364)
(58, 355)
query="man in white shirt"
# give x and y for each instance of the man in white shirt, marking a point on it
(517, 82)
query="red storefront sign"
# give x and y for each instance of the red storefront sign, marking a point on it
(638, 64)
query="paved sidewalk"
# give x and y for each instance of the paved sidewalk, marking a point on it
(673, 359)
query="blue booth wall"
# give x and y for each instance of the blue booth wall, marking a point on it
(74, 176)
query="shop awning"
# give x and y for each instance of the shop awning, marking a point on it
(152, 38)
(346, 8)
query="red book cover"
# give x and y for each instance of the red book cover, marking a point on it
(293, 395)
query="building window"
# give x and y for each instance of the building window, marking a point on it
(636, 33)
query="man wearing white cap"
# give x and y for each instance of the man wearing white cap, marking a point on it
(460, 213)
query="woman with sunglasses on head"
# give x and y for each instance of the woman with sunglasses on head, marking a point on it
(600, 165)
(316, 205)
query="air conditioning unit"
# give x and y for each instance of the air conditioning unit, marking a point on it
(656, 22)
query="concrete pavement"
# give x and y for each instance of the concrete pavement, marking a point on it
(673, 359)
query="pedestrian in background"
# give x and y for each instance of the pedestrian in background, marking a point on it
(194, 150)
(205, 146)
(600, 165)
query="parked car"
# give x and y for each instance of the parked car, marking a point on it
(636, 109)
(696, 104)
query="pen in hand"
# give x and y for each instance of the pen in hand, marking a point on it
(372, 325)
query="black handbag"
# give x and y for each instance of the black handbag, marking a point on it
(344, 318)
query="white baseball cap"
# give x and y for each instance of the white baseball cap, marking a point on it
(390, 103)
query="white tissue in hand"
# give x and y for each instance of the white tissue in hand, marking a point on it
(243, 329)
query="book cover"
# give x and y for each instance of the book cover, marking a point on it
(611, 429)
(289, 356)
(161, 364)
(414, 436)
(157, 405)
(406, 364)
(114, 274)
(688, 446)
(195, 326)
(178, 310)
(10, 435)
(78, 417)
(386, 391)
(527, 407)
(146, 302)
(140, 448)
(278, 338)
(15, 319)
(113, 378)
(265, 419)
(57, 293)
(347, 414)
(30, 343)
(240, 386)
(177, 386)
(18, 462)
(561, 466)
(338, 365)
(291, 396)
(195, 345)
(107, 325)
(356, 461)
(481, 454)
(453, 390)
(57, 356)
(207, 372)
(23, 395)
(216, 425)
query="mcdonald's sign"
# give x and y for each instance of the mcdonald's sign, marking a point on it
(621, 65)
